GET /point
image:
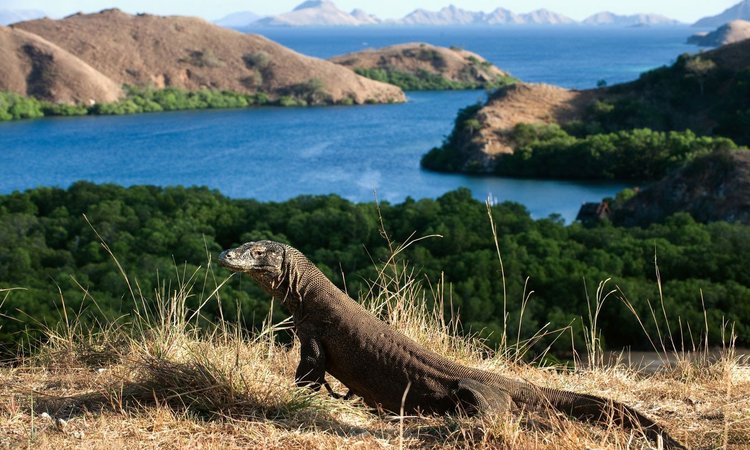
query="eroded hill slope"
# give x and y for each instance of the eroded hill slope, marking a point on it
(190, 53)
(33, 66)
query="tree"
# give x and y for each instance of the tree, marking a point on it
(699, 68)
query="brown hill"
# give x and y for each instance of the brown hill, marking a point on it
(713, 188)
(32, 66)
(190, 53)
(484, 132)
(452, 64)
(729, 33)
(526, 103)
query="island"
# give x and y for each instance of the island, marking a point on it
(421, 66)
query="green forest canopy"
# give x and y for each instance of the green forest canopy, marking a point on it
(159, 232)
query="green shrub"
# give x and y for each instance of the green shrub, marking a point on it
(258, 60)
(449, 157)
(63, 109)
(423, 80)
(15, 107)
(288, 100)
(203, 58)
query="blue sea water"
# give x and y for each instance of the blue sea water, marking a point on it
(360, 153)
(569, 56)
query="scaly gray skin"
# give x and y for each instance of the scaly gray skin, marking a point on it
(337, 335)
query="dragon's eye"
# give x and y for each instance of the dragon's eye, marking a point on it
(257, 253)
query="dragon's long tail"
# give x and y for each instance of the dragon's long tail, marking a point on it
(594, 409)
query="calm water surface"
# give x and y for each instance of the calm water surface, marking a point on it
(356, 152)
(270, 154)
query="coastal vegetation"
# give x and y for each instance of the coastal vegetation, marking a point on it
(548, 151)
(57, 242)
(423, 80)
(142, 100)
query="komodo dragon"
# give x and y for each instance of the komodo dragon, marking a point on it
(387, 369)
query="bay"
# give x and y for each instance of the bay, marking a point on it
(360, 153)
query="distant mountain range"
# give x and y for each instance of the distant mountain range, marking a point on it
(632, 20)
(313, 12)
(326, 13)
(452, 15)
(740, 11)
(9, 16)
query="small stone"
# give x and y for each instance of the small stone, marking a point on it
(44, 415)
(60, 424)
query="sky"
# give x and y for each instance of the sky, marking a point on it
(684, 10)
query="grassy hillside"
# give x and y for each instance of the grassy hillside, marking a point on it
(160, 380)
(533, 130)
(708, 93)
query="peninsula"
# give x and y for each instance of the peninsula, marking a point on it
(638, 130)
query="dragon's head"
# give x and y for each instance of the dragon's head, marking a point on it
(262, 260)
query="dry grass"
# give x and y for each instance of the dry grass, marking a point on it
(160, 382)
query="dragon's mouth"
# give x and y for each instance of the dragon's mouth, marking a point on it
(228, 261)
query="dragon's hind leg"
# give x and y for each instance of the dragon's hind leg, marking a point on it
(475, 398)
